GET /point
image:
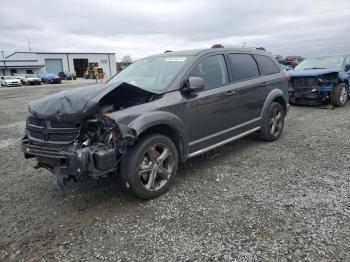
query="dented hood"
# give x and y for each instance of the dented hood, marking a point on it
(311, 72)
(81, 102)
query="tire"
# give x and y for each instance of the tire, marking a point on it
(267, 132)
(143, 171)
(339, 95)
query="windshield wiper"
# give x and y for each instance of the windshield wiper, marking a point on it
(314, 68)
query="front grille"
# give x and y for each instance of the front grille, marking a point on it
(36, 121)
(52, 131)
(305, 82)
(36, 134)
(62, 136)
(64, 124)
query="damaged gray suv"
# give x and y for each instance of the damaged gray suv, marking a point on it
(158, 112)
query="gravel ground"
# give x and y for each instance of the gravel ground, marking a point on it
(246, 201)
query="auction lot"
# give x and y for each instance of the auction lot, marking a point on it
(246, 201)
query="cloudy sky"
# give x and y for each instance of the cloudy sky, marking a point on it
(142, 27)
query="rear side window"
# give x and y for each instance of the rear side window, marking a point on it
(243, 67)
(213, 70)
(266, 65)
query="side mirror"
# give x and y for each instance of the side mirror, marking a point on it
(195, 84)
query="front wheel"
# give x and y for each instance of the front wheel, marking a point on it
(149, 166)
(339, 95)
(273, 122)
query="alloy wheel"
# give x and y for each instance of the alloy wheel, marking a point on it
(156, 167)
(343, 96)
(276, 121)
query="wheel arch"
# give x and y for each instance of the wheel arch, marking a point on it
(169, 132)
(276, 95)
(281, 101)
(166, 124)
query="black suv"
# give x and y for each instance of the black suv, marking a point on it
(159, 111)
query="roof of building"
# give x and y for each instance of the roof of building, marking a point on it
(85, 53)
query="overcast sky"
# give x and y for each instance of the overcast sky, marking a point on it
(141, 27)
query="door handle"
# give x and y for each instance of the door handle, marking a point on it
(230, 93)
(265, 84)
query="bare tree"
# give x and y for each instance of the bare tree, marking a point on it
(127, 59)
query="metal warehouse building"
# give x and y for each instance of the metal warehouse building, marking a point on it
(52, 62)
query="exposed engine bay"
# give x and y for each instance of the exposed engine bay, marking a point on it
(95, 151)
(92, 146)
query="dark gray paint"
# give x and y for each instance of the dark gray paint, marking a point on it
(201, 119)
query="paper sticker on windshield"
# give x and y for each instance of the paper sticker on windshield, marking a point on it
(175, 59)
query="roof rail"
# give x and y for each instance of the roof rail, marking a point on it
(167, 51)
(217, 46)
(253, 47)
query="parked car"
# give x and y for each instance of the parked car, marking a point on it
(320, 80)
(49, 78)
(19, 76)
(67, 75)
(31, 79)
(9, 81)
(156, 113)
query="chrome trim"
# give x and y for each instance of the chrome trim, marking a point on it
(201, 151)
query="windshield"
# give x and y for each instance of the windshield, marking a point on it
(320, 63)
(154, 73)
(31, 75)
(8, 77)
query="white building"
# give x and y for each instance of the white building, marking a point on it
(52, 62)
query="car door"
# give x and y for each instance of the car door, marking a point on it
(248, 88)
(209, 111)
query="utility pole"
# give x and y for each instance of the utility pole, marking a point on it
(3, 57)
(29, 49)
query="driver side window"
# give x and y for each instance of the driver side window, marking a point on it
(213, 71)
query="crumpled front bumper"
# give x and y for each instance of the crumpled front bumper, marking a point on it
(49, 156)
(62, 161)
(313, 95)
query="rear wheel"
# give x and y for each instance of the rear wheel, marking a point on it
(339, 95)
(273, 123)
(149, 167)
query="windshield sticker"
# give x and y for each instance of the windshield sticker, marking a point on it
(175, 59)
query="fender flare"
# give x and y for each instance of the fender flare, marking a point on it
(275, 93)
(151, 119)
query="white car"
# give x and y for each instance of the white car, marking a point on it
(31, 79)
(19, 76)
(9, 81)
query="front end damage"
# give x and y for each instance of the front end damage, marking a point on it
(312, 90)
(73, 133)
(72, 150)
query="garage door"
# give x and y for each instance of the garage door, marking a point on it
(53, 65)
